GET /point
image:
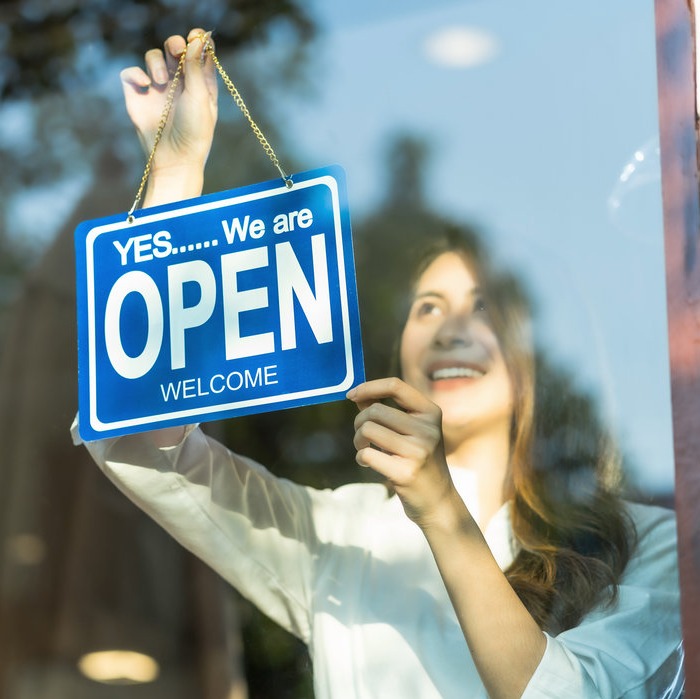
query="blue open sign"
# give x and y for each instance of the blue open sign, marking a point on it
(232, 303)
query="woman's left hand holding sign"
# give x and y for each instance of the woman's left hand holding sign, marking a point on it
(405, 445)
(178, 165)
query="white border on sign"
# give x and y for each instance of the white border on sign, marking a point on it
(94, 233)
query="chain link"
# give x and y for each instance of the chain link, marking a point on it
(242, 106)
(170, 98)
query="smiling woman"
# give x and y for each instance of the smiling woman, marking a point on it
(520, 427)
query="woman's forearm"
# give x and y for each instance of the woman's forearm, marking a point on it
(504, 640)
(165, 187)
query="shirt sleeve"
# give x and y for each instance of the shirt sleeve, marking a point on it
(633, 649)
(254, 529)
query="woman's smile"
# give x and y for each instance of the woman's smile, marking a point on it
(448, 373)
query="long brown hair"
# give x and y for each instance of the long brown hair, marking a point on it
(573, 533)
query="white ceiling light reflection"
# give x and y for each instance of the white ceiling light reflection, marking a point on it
(26, 549)
(119, 667)
(634, 204)
(461, 47)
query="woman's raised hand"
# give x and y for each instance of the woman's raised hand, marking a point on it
(404, 444)
(188, 134)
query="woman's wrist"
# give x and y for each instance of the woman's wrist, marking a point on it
(168, 436)
(170, 184)
(449, 517)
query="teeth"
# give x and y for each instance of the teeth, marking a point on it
(455, 373)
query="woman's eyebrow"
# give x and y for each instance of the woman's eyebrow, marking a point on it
(423, 294)
(475, 291)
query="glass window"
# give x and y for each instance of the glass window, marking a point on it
(533, 124)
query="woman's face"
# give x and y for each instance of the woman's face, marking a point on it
(450, 353)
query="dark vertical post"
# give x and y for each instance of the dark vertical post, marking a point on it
(679, 163)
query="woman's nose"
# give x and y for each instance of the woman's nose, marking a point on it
(455, 331)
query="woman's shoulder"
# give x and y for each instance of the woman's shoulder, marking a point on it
(651, 520)
(656, 551)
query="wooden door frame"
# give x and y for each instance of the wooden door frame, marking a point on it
(678, 122)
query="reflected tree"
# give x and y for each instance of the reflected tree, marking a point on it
(80, 567)
(388, 245)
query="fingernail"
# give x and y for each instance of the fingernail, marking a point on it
(206, 43)
(350, 395)
(204, 38)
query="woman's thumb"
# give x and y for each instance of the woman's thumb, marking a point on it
(195, 77)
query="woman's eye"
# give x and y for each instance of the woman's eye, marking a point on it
(426, 308)
(480, 305)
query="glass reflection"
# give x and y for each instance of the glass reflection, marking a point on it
(523, 133)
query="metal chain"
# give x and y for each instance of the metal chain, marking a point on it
(170, 98)
(242, 106)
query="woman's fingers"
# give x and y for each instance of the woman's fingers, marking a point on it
(187, 135)
(395, 441)
(398, 420)
(403, 443)
(199, 33)
(405, 396)
(200, 77)
(162, 64)
(172, 50)
(391, 440)
(415, 417)
(395, 469)
(156, 67)
(135, 77)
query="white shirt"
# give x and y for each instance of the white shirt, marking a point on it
(347, 572)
